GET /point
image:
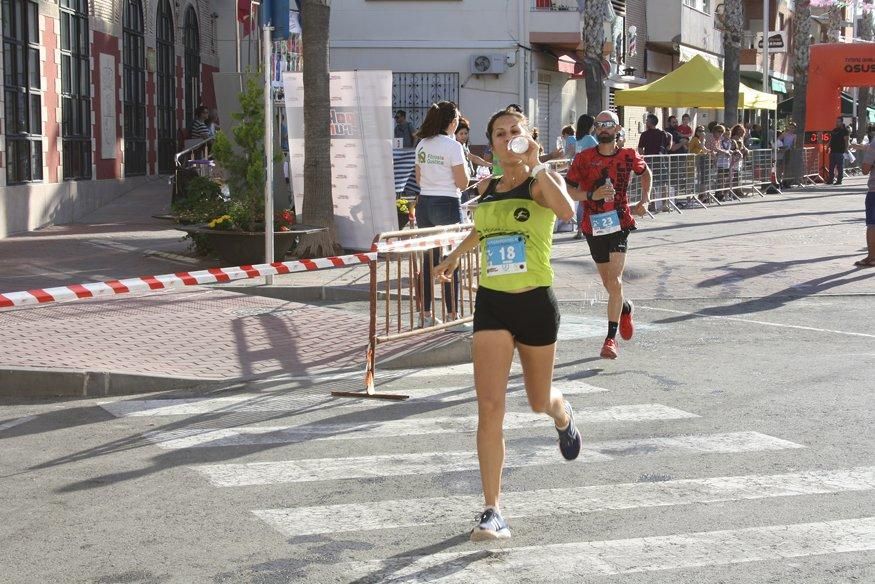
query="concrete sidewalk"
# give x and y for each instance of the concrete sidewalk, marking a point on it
(783, 248)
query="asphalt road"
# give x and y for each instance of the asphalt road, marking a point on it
(732, 442)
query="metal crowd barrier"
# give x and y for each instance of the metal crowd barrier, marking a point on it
(398, 285)
(810, 166)
(695, 180)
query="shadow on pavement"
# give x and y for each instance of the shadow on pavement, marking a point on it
(760, 269)
(773, 301)
(226, 417)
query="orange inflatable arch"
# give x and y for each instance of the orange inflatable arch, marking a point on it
(832, 67)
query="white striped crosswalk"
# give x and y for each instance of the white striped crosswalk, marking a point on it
(15, 422)
(625, 556)
(573, 501)
(257, 435)
(295, 471)
(308, 419)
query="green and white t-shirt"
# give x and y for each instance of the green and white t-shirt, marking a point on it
(436, 157)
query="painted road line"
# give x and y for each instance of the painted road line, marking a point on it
(761, 322)
(330, 469)
(275, 402)
(296, 521)
(623, 556)
(15, 422)
(320, 430)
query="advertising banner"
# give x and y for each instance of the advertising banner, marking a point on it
(362, 179)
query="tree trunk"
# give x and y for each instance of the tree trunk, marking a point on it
(867, 28)
(834, 22)
(594, 15)
(318, 202)
(733, 29)
(801, 57)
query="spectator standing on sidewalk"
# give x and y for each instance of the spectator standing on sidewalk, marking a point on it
(654, 142)
(570, 141)
(699, 148)
(677, 166)
(442, 173)
(463, 132)
(583, 133)
(404, 130)
(720, 144)
(199, 128)
(602, 176)
(585, 141)
(515, 306)
(739, 152)
(685, 128)
(839, 139)
(868, 164)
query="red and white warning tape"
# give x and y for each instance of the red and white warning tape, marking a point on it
(420, 243)
(177, 280)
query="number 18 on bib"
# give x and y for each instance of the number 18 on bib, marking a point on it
(506, 255)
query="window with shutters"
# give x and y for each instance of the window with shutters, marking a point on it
(166, 88)
(134, 79)
(21, 92)
(618, 55)
(75, 90)
(192, 40)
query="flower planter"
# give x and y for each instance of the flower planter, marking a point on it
(242, 248)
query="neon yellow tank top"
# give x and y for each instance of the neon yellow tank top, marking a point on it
(511, 225)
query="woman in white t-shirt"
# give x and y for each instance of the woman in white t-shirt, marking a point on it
(442, 173)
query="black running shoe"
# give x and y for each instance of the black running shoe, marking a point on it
(491, 525)
(569, 438)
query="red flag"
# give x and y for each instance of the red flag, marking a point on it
(244, 15)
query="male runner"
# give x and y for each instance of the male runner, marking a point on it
(602, 175)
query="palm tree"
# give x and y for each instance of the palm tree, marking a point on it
(595, 14)
(731, 22)
(318, 202)
(801, 57)
(834, 20)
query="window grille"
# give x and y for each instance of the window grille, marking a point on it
(192, 40)
(21, 92)
(134, 77)
(75, 90)
(415, 92)
(166, 88)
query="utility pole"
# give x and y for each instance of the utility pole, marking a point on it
(856, 90)
(767, 86)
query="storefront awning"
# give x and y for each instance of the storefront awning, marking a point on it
(696, 83)
(778, 85)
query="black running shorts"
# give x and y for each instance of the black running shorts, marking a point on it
(601, 247)
(532, 317)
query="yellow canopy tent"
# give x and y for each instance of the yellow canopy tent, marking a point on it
(696, 83)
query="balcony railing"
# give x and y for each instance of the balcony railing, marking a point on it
(554, 5)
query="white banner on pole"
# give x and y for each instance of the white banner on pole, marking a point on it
(363, 183)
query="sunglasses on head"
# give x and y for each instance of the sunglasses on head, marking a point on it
(607, 124)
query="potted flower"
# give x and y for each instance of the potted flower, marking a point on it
(231, 223)
(405, 210)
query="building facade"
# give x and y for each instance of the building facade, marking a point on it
(96, 96)
(483, 55)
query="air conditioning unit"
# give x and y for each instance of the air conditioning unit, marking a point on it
(494, 64)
